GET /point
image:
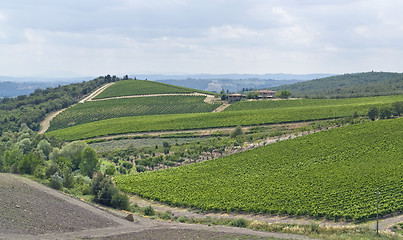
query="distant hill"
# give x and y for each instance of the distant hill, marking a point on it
(349, 85)
(232, 85)
(15, 86)
(230, 82)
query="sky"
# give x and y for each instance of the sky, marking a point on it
(98, 37)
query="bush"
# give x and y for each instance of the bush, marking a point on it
(239, 222)
(166, 215)
(149, 211)
(237, 132)
(56, 181)
(110, 170)
(140, 168)
(127, 165)
(120, 201)
(103, 189)
(182, 219)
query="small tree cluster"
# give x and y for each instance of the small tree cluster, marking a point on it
(107, 193)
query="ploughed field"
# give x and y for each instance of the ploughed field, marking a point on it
(332, 174)
(139, 106)
(243, 114)
(25, 209)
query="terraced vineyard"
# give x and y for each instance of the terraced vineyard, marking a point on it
(248, 105)
(142, 87)
(115, 108)
(332, 174)
(223, 119)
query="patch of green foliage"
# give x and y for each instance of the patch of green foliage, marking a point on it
(115, 108)
(32, 109)
(141, 87)
(256, 116)
(308, 103)
(349, 85)
(331, 174)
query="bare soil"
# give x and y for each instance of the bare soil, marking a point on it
(29, 210)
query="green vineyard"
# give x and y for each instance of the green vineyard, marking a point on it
(248, 105)
(142, 87)
(332, 174)
(139, 106)
(222, 119)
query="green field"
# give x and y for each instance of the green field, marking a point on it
(141, 87)
(249, 105)
(223, 119)
(139, 106)
(332, 174)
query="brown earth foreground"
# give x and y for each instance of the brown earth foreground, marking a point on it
(29, 210)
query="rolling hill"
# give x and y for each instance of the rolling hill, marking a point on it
(142, 87)
(139, 106)
(349, 86)
(331, 174)
(246, 114)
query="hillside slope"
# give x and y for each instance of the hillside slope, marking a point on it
(349, 85)
(331, 174)
(139, 106)
(142, 87)
(245, 115)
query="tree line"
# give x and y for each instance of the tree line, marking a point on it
(32, 109)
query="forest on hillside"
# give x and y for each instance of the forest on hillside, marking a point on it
(349, 86)
(32, 109)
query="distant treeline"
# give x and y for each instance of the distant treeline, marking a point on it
(33, 108)
(349, 86)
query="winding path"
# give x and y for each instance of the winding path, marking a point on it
(46, 122)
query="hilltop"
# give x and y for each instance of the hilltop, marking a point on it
(349, 85)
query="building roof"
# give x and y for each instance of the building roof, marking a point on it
(266, 91)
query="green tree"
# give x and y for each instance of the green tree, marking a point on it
(28, 163)
(25, 145)
(385, 112)
(90, 162)
(397, 108)
(373, 113)
(45, 147)
(73, 151)
(237, 132)
(283, 94)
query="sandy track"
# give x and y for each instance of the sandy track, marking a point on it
(45, 124)
(30, 210)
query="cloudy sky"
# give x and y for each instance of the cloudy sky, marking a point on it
(96, 37)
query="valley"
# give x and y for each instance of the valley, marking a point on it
(291, 166)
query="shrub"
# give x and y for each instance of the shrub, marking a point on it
(182, 219)
(239, 222)
(166, 215)
(127, 165)
(140, 168)
(110, 170)
(149, 211)
(56, 181)
(237, 132)
(120, 201)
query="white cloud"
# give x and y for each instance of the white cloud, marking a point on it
(98, 36)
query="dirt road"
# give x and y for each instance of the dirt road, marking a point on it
(30, 210)
(45, 124)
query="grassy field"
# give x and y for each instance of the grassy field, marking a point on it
(142, 87)
(332, 174)
(248, 105)
(282, 114)
(115, 108)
